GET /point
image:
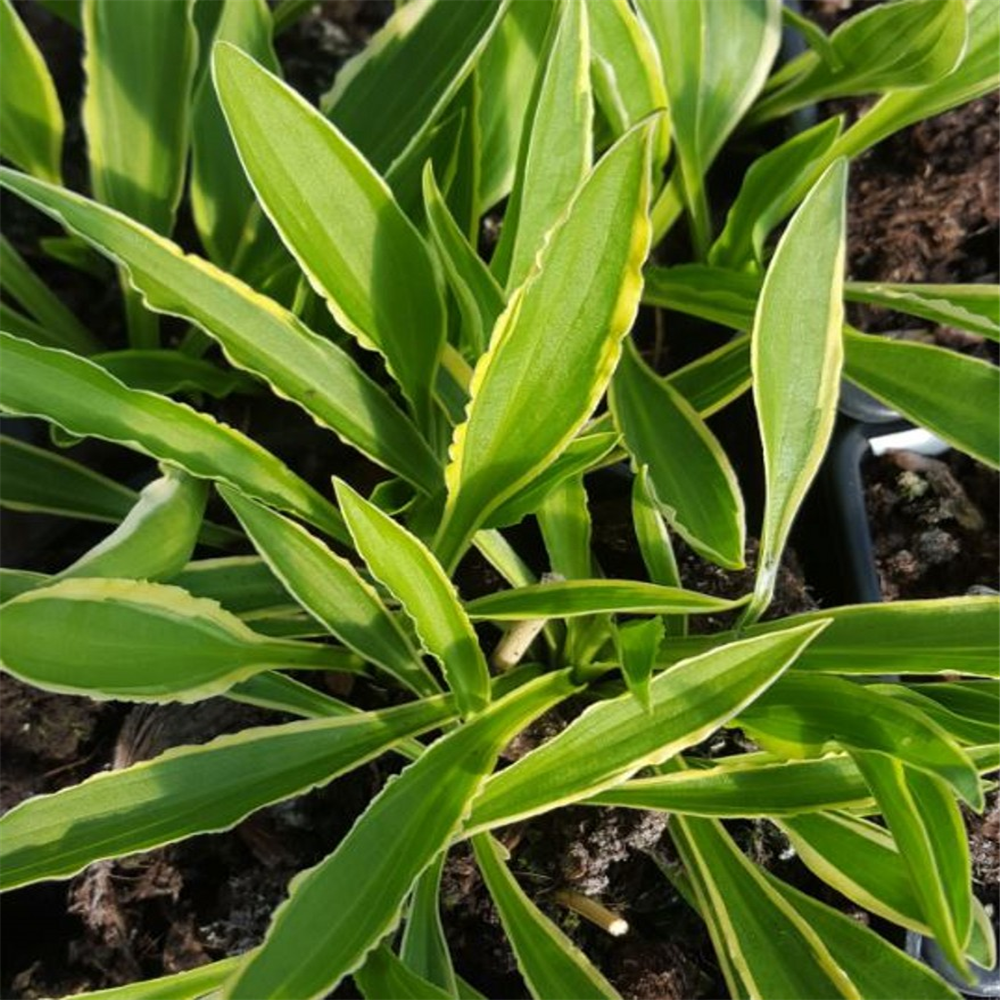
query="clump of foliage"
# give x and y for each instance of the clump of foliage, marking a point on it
(338, 272)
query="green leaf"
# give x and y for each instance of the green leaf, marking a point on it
(480, 299)
(878, 970)
(625, 72)
(195, 789)
(157, 536)
(140, 641)
(221, 198)
(951, 394)
(357, 248)
(976, 700)
(637, 643)
(803, 714)
(554, 348)
(31, 134)
(690, 478)
(340, 909)
(859, 859)
(687, 703)
(774, 185)
(193, 984)
(19, 581)
(24, 286)
(505, 75)
(410, 70)
(424, 948)
(748, 785)
(926, 824)
(385, 976)
(796, 354)
(975, 308)
(139, 63)
(910, 43)
(255, 333)
(581, 455)
(331, 590)
(958, 726)
(83, 399)
(170, 371)
(241, 584)
(38, 480)
(551, 964)
(768, 948)
(570, 598)
(712, 293)
(560, 117)
(715, 59)
(947, 635)
(759, 784)
(402, 563)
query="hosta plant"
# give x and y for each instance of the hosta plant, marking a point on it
(337, 270)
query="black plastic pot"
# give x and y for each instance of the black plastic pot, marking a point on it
(987, 980)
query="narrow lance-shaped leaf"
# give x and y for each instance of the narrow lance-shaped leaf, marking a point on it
(638, 642)
(876, 967)
(505, 75)
(949, 393)
(221, 197)
(25, 287)
(255, 333)
(773, 186)
(157, 536)
(582, 454)
(83, 399)
(796, 354)
(804, 713)
(977, 73)
(625, 72)
(715, 58)
(551, 964)
(906, 44)
(947, 635)
(193, 984)
(424, 947)
(767, 946)
(385, 976)
(141, 642)
(975, 308)
(357, 248)
(340, 909)
(571, 598)
(403, 564)
(39, 480)
(925, 822)
(191, 790)
(561, 117)
(859, 859)
(331, 590)
(169, 372)
(687, 703)
(31, 125)
(756, 785)
(139, 62)
(554, 348)
(690, 477)
(480, 299)
(411, 69)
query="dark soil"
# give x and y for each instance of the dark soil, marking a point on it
(935, 524)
